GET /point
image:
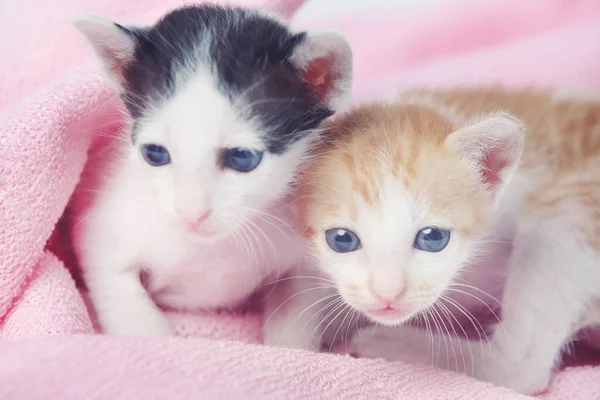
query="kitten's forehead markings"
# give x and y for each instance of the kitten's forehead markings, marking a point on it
(397, 205)
(384, 226)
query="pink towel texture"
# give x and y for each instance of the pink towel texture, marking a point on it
(53, 101)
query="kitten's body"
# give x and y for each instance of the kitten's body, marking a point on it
(562, 131)
(184, 271)
(449, 160)
(224, 103)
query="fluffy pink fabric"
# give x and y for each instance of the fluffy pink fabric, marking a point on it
(49, 114)
(39, 45)
(389, 44)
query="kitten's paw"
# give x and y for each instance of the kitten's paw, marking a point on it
(522, 377)
(149, 326)
(395, 345)
(289, 340)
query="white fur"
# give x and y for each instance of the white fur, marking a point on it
(544, 271)
(552, 278)
(132, 217)
(138, 218)
(332, 48)
(113, 46)
(387, 266)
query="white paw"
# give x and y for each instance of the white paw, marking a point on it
(404, 344)
(290, 340)
(522, 378)
(153, 324)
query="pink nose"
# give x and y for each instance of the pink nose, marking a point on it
(389, 298)
(195, 223)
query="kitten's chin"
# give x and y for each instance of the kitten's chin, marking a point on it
(214, 233)
(391, 317)
(399, 313)
(211, 230)
(209, 234)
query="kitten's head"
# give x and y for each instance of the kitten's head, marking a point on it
(395, 200)
(224, 102)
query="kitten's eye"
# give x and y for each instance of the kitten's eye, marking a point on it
(156, 155)
(242, 160)
(432, 239)
(342, 240)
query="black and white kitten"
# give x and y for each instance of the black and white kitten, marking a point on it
(224, 104)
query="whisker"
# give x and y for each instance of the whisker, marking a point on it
(327, 297)
(446, 312)
(267, 240)
(288, 299)
(337, 330)
(298, 277)
(340, 312)
(336, 300)
(352, 317)
(339, 304)
(478, 328)
(478, 290)
(440, 332)
(482, 302)
(450, 339)
(429, 329)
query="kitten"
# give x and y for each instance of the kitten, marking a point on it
(426, 206)
(223, 104)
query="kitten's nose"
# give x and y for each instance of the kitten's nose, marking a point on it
(194, 222)
(389, 297)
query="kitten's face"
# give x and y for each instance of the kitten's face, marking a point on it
(218, 162)
(225, 102)
(392, 210)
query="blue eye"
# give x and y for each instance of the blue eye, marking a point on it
(432, 239)
(342, 240)
(242, 160)
(156, 155)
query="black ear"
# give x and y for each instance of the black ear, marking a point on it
(325, 59)
(113, 44)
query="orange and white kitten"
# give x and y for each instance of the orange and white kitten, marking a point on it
(441, 201)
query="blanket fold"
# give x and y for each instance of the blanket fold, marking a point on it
(204, 369)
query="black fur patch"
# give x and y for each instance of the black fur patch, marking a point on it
(248, 53)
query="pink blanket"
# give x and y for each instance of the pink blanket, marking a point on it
(51, 101)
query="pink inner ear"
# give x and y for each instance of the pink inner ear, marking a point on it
(114, 61)
(493, 164)
(319, 75)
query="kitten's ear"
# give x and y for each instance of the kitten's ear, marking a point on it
(325, 60)
(113, 44)
(493, 146)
